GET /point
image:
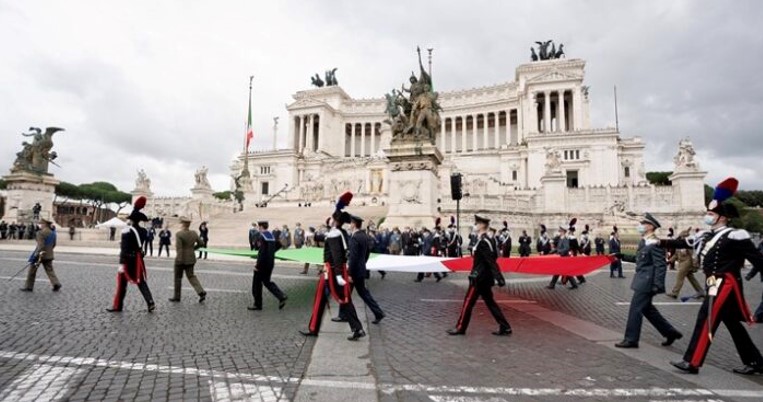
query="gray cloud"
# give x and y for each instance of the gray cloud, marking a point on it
(163, 86)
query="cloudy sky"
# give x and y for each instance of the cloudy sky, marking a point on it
(162, 85)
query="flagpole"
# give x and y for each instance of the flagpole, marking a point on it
(249, 116)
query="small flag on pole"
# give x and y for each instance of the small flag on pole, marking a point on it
(249, 129)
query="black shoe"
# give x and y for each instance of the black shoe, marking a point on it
(378, 319)
(383, 274)
(455, 332)
(503, 332)
(672, 338)
(759, 320)
(582, 281)
(282, 303)
(202, 297)
(685, 367)
(749, 369)
(611, 276)
(550, 287)
(114, 310)
(151, 307)
(253, 308)
(573, 287)
(303, 273)
(338, 319)
(627, 345)
(621, 277)
(356, 335)
(56, 288)
(439, 278)
(672, 296)
(308, 333)
(174, 300)
(417, 280)
(26, 290)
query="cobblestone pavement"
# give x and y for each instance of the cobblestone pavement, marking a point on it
(217, 337)
(63, 346)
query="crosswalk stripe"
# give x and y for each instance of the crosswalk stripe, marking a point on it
(222, 391)
(40, 382)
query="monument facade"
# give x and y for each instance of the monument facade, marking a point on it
(526, 149)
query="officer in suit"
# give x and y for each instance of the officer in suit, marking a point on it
(148, 245)
(484, 275)
(204, 236)
(334, 279)
(524, 244)
(266, 247)
(43, 254)
(722, 251)
(614, 249)
(132, 268)
(165, 241)
(648, 281)
(564, 249)
(186, 243)
(358, 256)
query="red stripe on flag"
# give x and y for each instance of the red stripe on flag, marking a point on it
(540, 265)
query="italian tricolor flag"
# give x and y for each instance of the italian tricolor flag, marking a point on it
(249, 129)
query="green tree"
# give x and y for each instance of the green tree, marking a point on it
(97, 194)
(3, 184)
(750, 198)
(222, 195)
(708, 194)
(659, 178)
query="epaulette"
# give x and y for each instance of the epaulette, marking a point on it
(334, 232)
(650, 242)
(126, 229)
(739, 234)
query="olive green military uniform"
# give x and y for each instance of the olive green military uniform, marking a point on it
(46, 242)
(186, 243)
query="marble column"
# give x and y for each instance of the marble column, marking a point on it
(442, 135)
(520, 127)
(577, 109)
(363, 140)
(372, 146)
(547, 112)
(484, 131)
(474, 132)
(507, 138)
(463, 133)
(562, 120)
(453, 135)
(302, 134)
(352, 141)
(310, 139)
(497, 129)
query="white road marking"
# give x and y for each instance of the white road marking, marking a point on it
(676, 303)
(504, 301)
(70, 362)
(41, 382)
(222, 391)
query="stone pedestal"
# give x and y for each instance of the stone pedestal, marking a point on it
(689, 190)
(24, 190)
(554, 192)
(202, 193)
(414, 184)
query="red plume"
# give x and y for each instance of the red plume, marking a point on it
(344, 200)
(139, 203)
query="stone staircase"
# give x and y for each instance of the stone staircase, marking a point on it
(231, 230)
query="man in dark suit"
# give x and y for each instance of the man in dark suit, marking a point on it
(358, 255)
(614, 249)
(266, 247)
(484, 275)
(648, 281)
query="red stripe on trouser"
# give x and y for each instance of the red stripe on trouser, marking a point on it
(115, 303)
(703, 343)
(315, 319)
(468, 297)
(740, 299)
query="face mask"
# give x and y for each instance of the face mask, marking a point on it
(490, 234)
(641, 229)
(709, 220)
(475, 228)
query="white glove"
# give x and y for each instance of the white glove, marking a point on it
(340, 280)
(121, 268)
